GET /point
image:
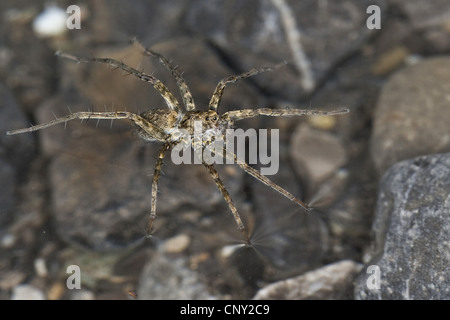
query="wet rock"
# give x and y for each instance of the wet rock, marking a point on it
(411, 230)
(390, 60)
(82, 295)
(27, 292)
(410, 117)
(177, 244)
(334, 281)
(316, 154)
(169, 278)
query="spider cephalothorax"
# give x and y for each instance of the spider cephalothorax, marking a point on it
(179, 126)
(209, 120)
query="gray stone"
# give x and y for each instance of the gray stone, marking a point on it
(316, 154)
(333, 281)
(412, 232)
(169, 278)
(27, 292)
(411, 117)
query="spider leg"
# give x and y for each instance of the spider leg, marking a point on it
(138, 120)
(250, 113)
(257, 175)
(184, 89)
(168, 97)
(218, 92)
(156, 175)
(215, 175)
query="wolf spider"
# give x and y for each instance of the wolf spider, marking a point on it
(162, 125)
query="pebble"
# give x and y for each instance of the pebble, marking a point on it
(410, 257)
(27, 292)
(166, 277)
(316, 154)
(334, 281)
(50, 22)
(40, 267)
(390, 60)
(411, 116)
(177, 244)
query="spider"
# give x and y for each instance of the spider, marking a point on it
(164, 125)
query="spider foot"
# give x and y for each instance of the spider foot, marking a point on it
(247, 242)
(148, 236)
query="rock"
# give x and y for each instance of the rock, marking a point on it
(82, 295)
(390, 60)
(177, 243)
(27, 292)
(40, 267)
(169, 278)
(51, 22)
(412, 232)
(410, 117)
(333, 281)
(316, 155)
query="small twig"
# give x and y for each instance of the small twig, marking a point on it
(294, 36)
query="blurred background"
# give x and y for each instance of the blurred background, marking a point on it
(80, 194)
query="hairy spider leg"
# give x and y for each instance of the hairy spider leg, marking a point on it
(218, 92)
(258, 176)
(235, 115)
(168, 97)
(215, 175)
(186, 94)
(149, 127)
(156, 175)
